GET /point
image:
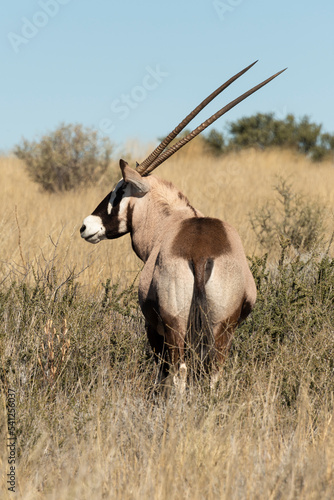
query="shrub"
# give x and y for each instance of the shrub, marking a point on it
(215, 142)
(299, 223)
(66, 158)
(290, 329)
(263, 130)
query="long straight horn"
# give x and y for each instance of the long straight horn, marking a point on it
(146, 163)
(170, 151)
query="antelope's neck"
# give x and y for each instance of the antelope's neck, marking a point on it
(155, 216)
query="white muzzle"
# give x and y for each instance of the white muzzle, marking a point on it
(92, 229)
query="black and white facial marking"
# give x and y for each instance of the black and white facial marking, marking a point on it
(109, 219)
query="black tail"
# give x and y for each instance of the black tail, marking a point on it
(200, 349)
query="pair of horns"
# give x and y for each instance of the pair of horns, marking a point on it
(160, 154)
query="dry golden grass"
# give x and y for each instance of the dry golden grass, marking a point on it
(114, 444)
(229, 188)
(91, 428)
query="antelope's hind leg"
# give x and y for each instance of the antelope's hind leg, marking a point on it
(161, 354)
(223, 334)
(178, 370)
(169, 357)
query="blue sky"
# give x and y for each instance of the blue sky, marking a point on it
(134, 69)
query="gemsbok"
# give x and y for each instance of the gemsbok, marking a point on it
(195, 286)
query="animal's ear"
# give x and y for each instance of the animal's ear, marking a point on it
(134, 178)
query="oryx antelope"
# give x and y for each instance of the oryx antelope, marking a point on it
(196, 285)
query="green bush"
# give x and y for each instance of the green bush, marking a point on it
(263, 130)
(215, 142)
(69, 157)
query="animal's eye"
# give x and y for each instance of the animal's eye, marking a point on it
(117, 196)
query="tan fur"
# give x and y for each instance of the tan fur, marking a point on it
(172, 237)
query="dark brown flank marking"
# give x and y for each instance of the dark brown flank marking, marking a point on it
(201, 238)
